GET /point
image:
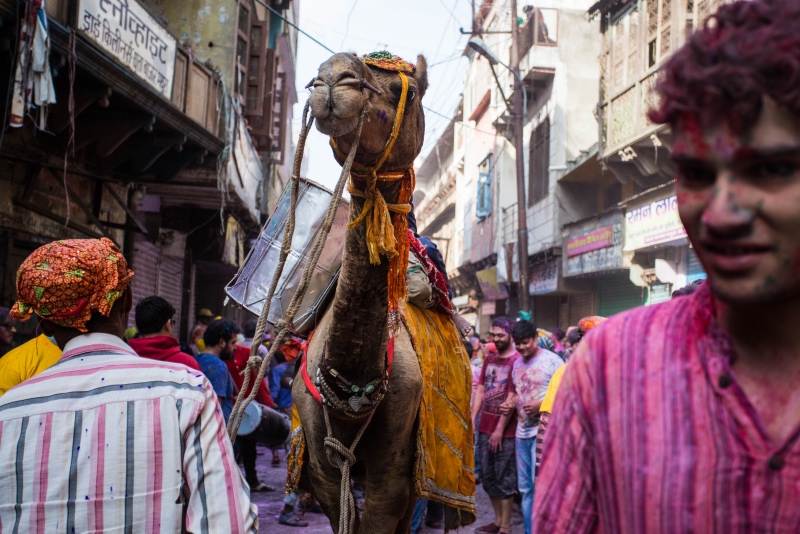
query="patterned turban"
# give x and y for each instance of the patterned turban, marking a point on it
(67, 281)
(587, 323)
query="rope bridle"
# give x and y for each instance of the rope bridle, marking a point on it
(383, 238)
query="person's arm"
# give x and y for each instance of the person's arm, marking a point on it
(507, 410)
(217, 498)
(477, 402)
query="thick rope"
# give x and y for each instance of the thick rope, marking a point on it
(343, 459)
(241, 403)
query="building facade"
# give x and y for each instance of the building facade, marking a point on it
(149, 122)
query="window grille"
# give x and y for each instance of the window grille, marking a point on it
(539, 163)
(483, 206)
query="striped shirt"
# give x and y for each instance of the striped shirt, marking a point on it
(650, 433)
(106, 440)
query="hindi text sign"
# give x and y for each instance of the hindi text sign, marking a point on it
(124, 29)
(652, 224)
(544, 277)
(602, 238)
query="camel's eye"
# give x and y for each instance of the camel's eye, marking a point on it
(411, 95)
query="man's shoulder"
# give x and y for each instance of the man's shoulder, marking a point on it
(548, 357)
(643, 332)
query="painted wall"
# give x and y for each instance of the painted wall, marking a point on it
(207, 26)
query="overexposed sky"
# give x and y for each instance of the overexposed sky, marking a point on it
(405, 28)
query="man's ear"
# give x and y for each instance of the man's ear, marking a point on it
(127, 304)
(47, 328)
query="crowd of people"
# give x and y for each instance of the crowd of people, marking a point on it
(679, 417)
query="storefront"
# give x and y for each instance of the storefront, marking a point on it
(662, 258)
(594, 253)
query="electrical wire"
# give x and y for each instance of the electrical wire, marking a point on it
(293, 25)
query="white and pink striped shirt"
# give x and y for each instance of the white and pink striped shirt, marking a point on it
(106, 440)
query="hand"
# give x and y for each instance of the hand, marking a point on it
(496, 442)
(530, 409)
(506, 407)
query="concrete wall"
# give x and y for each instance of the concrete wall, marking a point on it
(208, 26)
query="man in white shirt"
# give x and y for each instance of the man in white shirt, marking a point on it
(104, 439)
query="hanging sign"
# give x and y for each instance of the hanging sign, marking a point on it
(652, 224)
(125, 30)
(602, 238)
(544, 277)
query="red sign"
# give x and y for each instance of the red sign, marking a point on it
(602, 238)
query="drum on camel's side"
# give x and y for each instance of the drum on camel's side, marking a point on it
(251, 284)
(264, 425)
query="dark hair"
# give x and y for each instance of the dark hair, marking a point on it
(687, 290)
(558, 333)
(249, 328)
(152, 313)
(468, 348)
(574, 336)
(503, 322)
(218, 330)
(523, 330)
(747, 51)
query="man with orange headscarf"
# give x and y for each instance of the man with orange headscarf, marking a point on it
(131, 433)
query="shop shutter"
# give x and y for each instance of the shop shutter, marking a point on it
(580, 305)
(616, 293)
(659, 293)
(545, 312)
(145, 267)
(170, 284)
(694, 269)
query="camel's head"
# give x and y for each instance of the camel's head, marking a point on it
(347, 84)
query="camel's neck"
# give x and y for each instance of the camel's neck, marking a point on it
(358, 337)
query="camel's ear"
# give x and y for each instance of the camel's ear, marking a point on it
(421, 75)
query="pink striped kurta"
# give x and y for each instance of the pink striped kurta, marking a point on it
(650, 433)
(107, 441)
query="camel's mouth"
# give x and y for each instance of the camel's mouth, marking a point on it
(337, 126)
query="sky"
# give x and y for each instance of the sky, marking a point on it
(405, 28)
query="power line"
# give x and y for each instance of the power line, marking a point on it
(293, 25)
(464, 124)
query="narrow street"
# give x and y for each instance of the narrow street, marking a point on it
(270, 504)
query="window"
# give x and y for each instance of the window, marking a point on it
(483, 207)
(539, 166)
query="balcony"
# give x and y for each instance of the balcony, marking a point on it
(541, 29)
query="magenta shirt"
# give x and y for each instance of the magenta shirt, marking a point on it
(650, 433)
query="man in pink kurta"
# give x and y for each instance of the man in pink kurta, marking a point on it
(685, 417)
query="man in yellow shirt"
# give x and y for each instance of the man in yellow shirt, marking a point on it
(27, 361)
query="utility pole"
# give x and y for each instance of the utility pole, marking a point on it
(522, 205)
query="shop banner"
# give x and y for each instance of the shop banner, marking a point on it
(544, 277)
(602, 238)
(125, 30)
(653, 224)
(492, 290)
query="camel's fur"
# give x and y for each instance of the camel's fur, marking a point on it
(354, 328)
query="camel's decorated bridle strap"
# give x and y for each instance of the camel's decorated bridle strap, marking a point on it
(386, 237)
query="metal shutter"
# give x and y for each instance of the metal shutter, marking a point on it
(170, 285)
(616, 293)
(145, 268)
(694, 269)
(580, 305)
(545, 312)
(659, 293)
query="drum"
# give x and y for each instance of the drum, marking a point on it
(250, 286)
(264, 425)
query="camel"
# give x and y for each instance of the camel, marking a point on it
(353, 334)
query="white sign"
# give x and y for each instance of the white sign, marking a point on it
(652, 224)
(124, 29)
(544, 277)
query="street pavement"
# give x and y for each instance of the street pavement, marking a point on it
(271, 503)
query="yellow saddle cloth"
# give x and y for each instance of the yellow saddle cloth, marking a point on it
(445, 453)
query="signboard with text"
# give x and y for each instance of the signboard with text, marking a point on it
(124, 29)
(593, 245)
(544, 277)
(602, 238)
(652, 224)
